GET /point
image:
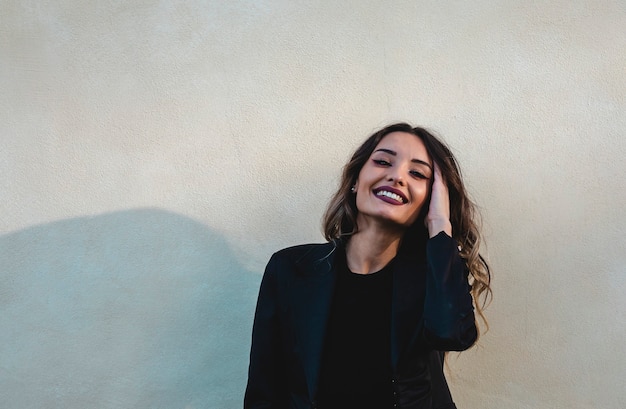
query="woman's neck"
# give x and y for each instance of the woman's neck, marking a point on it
(371, 249)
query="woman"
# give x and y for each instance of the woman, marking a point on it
(359, 322)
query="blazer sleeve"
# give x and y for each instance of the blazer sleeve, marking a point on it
(266, 370)
(449, 323)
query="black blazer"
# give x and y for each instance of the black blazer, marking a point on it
(431, 311)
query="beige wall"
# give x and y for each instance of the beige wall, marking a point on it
(154, 154)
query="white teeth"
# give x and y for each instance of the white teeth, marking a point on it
(393, 196)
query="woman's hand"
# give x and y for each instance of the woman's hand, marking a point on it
(438, 217)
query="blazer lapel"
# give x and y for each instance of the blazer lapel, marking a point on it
(407, 307)
(312, 293)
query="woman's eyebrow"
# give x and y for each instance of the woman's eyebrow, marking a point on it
(421, 162)
(394, 153)
(389, 151)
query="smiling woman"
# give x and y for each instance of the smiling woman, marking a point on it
(394, 184)
(362, 321)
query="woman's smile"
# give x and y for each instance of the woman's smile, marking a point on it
(391, 195)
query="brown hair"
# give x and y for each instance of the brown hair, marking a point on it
(339, 221)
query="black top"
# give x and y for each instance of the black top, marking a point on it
(356, 363)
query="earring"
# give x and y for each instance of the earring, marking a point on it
(353, 189)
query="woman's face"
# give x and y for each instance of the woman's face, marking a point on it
(394, 183)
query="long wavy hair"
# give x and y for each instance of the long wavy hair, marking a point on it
(339, 222)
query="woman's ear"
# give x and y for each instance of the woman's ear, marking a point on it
(353, 189)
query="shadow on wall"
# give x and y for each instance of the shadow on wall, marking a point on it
(141, 309)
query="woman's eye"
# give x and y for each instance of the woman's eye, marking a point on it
(381, 162)
(418, 175)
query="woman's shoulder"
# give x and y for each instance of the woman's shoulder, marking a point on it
(303, 252)
(305, 259)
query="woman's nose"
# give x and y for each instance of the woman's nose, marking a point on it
(396, 177)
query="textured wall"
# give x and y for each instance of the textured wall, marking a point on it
(153, 156)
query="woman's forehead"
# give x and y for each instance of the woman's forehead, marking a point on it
(403, 144)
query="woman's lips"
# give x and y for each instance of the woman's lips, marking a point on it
(390, 195)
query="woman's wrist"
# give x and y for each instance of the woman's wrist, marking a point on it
(435, 226)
